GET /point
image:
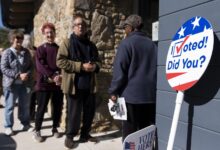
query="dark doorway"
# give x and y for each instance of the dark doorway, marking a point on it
(148, 10)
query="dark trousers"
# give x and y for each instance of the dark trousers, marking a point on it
(83, 101)
(33, 105)
(43, 98)
(139, 117)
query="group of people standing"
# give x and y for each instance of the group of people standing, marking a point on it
(70, 69)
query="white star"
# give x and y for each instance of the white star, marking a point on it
(181, 32)
(205, 29)
(196, 22)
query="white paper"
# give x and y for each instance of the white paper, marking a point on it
(118, 110)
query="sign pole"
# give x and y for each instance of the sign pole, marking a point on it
(179, 100)
(188, 57)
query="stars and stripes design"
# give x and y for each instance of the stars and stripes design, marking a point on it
(130, 146)
(192, 31)
(193, 26)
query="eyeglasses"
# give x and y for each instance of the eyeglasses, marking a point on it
(49, 32)
(79, 24)
(19, 37)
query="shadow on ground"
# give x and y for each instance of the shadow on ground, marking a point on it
(109, 136)
(106, 136)
(7, 143)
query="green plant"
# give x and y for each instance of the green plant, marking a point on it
(4, 43)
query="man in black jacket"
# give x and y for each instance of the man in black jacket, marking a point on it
(134, 76)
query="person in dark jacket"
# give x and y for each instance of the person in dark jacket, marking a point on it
(48, 82)
(79, 61)
(134, 76)
(28, 44)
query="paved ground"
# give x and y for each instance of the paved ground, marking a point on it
(24, 141)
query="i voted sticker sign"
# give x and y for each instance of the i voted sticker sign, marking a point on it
(189, 53)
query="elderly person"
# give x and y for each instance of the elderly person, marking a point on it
(79, 61)
(48, 82)
(27, 43)
(16, 67)
(134, 76)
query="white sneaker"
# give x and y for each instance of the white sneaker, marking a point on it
(37, 137)
(9, 131)
(28, 128)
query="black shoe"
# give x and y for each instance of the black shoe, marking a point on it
(84, 139)
(69, 143)
(1, 106)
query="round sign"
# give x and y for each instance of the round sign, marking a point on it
(189, 53)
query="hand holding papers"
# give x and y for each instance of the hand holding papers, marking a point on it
(118, 110)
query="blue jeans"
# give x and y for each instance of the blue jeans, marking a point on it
(21, 93)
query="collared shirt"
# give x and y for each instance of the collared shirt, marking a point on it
(20, 59)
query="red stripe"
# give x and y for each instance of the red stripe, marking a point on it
(173, 75)
(185, 86)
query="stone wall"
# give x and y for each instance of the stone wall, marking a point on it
(103, 18)
(58, 12)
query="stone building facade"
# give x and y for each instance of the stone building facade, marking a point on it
(103, 18)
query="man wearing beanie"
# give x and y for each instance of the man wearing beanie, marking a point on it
(134, 76)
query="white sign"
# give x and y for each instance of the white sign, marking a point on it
(140, 140)
(118, 110)
(155, 30)
(189, 53)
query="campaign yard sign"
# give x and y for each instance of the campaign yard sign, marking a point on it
(140, 140)
(189, 53)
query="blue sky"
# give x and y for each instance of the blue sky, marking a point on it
(1, 24)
